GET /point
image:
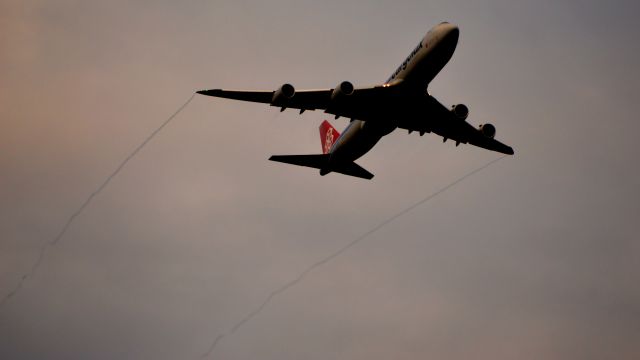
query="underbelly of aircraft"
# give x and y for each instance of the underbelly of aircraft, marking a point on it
(358, 139)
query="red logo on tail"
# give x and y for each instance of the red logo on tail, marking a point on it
(328, 136)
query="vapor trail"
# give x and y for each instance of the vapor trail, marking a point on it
(79, 211)
(339, 252)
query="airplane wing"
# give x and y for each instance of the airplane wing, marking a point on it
(465, 133)
(431, 116)
(323, 99)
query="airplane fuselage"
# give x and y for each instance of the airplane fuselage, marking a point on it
(414, 75)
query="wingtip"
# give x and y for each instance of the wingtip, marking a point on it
(209, 92)
(504, 149)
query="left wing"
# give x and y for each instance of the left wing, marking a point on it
(344, 100)
(303, 100)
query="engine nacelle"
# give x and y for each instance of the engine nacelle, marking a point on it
(461, 111)
(341, 91)
(282, 96)
(488, 130)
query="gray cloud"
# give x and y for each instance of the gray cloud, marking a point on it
(535, 258)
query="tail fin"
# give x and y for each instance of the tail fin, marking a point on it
(328, 135)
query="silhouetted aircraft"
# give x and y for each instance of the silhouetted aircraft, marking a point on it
(402, 101)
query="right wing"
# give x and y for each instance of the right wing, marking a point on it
(431, 116)
(461, 131)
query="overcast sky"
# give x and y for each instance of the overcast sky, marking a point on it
(536, 257)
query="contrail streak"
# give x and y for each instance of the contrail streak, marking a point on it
(339, 252)
(79, 211)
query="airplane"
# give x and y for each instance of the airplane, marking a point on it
(403, 101)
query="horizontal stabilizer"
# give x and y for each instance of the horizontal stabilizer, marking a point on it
(353, 169)
(321, 161)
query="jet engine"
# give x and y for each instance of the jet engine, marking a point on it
(341, 91)
(488, 130)
(460, 111)
(283, 95)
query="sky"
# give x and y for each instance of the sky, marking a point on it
(536, 257)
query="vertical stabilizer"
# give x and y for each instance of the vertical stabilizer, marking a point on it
(328, 136)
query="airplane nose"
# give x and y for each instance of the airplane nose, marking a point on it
(448, 34)
(450, 30)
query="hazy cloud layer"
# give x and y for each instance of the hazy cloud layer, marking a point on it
(538, 257)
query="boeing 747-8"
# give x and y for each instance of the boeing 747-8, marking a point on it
(403, 101)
